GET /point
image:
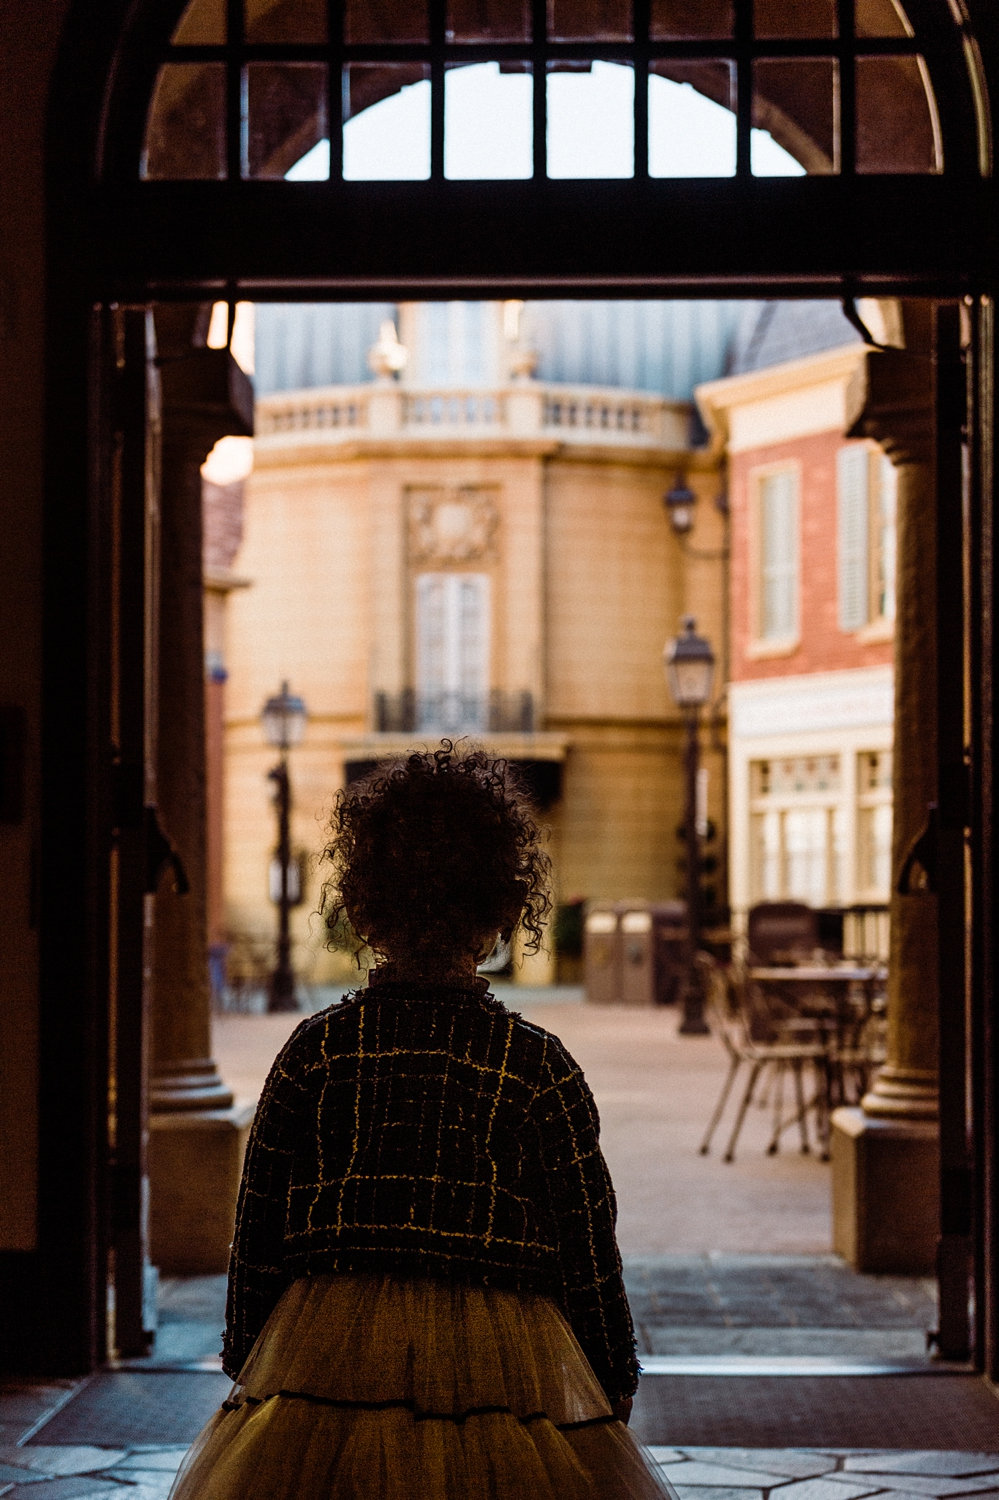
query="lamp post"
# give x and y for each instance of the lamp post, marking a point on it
(690, 666)
(283, 721)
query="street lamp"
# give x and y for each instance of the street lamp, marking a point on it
(690, 668)
(283, 721)
(680, 502)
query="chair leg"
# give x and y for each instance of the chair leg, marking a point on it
(743, 1106)
(800, 1116)
(799, 1094)
(823, 1104)
(733, 1068)
(778, 1088)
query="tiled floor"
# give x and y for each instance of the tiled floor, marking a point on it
(146, 1473)
(72, 1473)
(33, 1470)
(693, 1314)
(827, 1474)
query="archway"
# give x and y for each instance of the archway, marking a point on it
(119, 237)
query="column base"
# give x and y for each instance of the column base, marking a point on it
(195, 1164)
(192, 1083)
(886, 1192)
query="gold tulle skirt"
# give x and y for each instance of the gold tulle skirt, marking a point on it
(378, 1387)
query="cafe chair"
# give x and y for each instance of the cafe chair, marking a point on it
(857, 1051)
(767, 1046)
(781, 931)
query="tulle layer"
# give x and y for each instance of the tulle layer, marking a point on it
(441, 1347)
(376, 1387)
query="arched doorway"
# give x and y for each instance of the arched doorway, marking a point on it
(879, 211)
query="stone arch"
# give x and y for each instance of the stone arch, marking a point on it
(112, 236)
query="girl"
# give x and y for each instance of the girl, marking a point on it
(425, 1295)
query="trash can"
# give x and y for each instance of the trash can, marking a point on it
(637, 985)
(601, 959)
(669, 922)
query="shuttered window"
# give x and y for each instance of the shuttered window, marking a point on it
(777, 511)
(853, 468)
(452, 651)
(866, 499)
(883, 539)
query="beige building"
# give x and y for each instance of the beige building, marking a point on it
(458, 545)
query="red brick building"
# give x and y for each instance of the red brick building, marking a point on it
(812, 599)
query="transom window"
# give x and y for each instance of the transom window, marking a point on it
(874, 822)
(820, 828)
(258, 89)
(797, 829)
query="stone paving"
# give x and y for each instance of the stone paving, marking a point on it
(145, 1472)
(768, 1286)
(726, 1296)
(655, 1091)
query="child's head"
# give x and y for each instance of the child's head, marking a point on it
(435, 855)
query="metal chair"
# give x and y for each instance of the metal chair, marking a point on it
(762, 1041)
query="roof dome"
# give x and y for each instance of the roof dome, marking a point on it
(663, 347)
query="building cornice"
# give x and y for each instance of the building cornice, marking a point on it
(809, 702)
(717, 398)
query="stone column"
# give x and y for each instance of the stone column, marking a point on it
(885, 1154)
(196, 1133)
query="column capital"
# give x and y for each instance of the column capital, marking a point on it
(206, 396)
(889, 398)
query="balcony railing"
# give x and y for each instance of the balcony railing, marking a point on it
(559, 413)
(496, 712)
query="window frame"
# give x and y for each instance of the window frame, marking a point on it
(539, 53)
(472, 719)
(867, 800)
(830, 801)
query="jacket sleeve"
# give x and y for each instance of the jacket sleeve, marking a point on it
(581, 1198)
(257, 1275)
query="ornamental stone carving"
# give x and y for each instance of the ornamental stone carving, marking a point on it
(453, 525)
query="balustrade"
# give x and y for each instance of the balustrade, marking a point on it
(410, 711)
(570, 414)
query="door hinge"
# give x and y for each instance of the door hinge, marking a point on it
(955, 793)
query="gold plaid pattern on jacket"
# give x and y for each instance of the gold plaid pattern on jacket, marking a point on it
(431, 1131)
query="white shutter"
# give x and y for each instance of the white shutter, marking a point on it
(853, 468)
(887, 521)
(778, 512)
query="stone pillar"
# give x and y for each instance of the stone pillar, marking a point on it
(885, 1154)
(197, 1134)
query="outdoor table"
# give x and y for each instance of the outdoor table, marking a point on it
(838, 998)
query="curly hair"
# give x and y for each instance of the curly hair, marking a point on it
(436, 853)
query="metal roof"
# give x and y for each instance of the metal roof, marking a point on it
(665, 347)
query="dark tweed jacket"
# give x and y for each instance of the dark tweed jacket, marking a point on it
(431, 1131)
